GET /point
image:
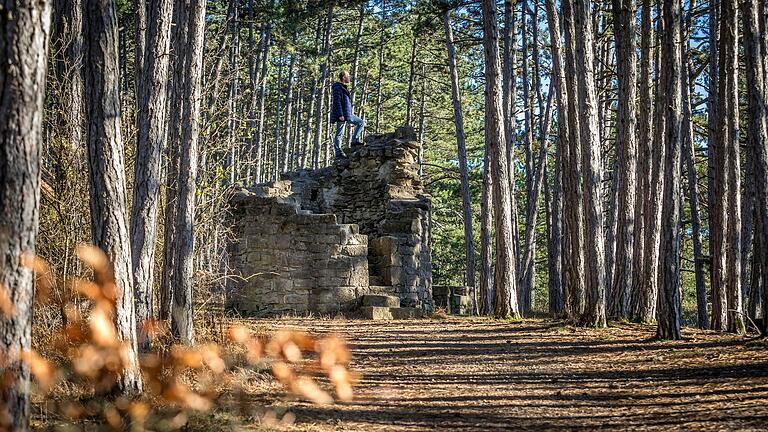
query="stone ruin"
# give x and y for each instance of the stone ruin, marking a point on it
(352, 235)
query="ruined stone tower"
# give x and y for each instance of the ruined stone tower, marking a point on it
(323, 241)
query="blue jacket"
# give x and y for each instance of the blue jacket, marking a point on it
(342, 102)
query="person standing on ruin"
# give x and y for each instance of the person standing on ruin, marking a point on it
(341, 114)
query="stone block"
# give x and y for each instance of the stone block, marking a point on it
(380, 300)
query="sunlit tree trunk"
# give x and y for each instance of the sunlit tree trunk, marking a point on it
(21, 118)
(181, 322)
(756, 43)
(574, 198)
(669, 306)
(689, 158)
(594, 245)
(151, 133)
(505, 295)
(560, 253)
(462, 151)
(107, 169)
(624, 12)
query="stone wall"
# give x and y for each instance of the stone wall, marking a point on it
(292, 261)
(374, 195)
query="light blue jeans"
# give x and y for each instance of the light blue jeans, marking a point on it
(359, 125)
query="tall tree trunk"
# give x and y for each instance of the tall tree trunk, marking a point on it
(505, 294)
(379, 89)
(462, 151)
(486, 239)
(175, 91)
(257, 137)
(321, 96)
(107, 169)
(181, 323)
(689, 159)
(594, 245)
(526, 275)
(574, 199)
(624, 12)
(647, 292)
(529, 250)
(24, 49)
(756, 43)
(67, 40)
(287, 137)
(234, 115)
(411, 74)
(278, 107)
(669, 302)
(560, 255)
(356, 57)
(726, 229)
(151, 133)
(645, 147)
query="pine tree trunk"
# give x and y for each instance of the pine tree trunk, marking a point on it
(594, 246)
(287, 137)
(505, 295)
(321, 96)
(756, 43)
(726, 226)
(647, 292)
(645, 148)
(669, 302)
(107, 169)
(411, 74)
(258, 133)
(234, 115)
(379, 89)
(151, 133)
(529, 249)
(67, 42)
(356, 57)
(486, 239)
(560, 253)
(574, 199)
(25, 42)
(462, 151)
(689, 159)
(624, 12)
(181, 322)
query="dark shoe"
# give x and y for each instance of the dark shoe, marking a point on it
(340, 155)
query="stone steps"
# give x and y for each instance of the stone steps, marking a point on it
(390, 313)
(380, 300)
(381, 289)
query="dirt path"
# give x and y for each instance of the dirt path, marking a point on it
(477, 374)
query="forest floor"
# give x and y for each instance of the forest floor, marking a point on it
(479, 374)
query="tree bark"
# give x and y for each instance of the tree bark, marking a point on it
(689, 157)
(24, 49)
(560, 254)
(756, 43)
(505, 295)
(574, 199)
(181, 323)
(356, 57)
(107, 169)
(379, 89)
(669, 302)
(321, 96)
(726, 226)
(151, 133)
(458, 118)
(644, 172)
(624, 12)
(257, 137)
(411, 74)
(594, 246)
